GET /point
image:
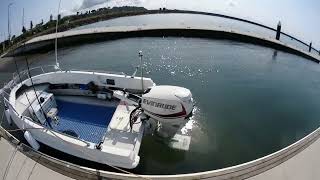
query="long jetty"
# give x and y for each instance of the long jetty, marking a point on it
(73, 37)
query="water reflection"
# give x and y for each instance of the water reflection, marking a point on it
(275, 54)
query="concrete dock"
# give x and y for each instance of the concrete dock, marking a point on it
(15, 165)
(305, 165)
(72, 37)
(295, 162)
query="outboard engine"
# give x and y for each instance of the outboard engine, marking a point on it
(169, 105)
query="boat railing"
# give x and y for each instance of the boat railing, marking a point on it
(18, 78)
(100, 71)
(4, 91)
(24, 74)
(7, 103)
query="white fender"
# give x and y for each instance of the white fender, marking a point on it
(34, 144)
(8, 116)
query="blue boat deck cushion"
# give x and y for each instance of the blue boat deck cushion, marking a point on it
(85, 121)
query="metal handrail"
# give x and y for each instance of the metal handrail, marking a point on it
(34, 68)
(100, 71)
(87, 70)
(7, 102)
(26, 72)
(15, 76)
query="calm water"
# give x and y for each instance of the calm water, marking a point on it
(251, 100)
(199, 20)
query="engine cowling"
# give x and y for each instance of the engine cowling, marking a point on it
(168, 104)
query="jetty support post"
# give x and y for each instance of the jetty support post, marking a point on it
(310, 46)
(278, 31)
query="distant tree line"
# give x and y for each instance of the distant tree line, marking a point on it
(73, 21)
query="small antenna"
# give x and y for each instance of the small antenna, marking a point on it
(140, 56)
(22, 17)
(56, 40)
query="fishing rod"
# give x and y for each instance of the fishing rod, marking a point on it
(56, 39)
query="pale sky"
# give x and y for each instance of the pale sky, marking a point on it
(298, 18)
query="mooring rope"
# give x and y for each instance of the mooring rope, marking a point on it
(2, 118)
(34, 165)
(124, 171)
(23, 163)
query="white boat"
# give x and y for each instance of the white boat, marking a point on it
(97, 116)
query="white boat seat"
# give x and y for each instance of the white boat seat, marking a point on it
(120, 119)
(122, 143)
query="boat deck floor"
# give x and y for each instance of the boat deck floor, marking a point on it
(86, 121)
